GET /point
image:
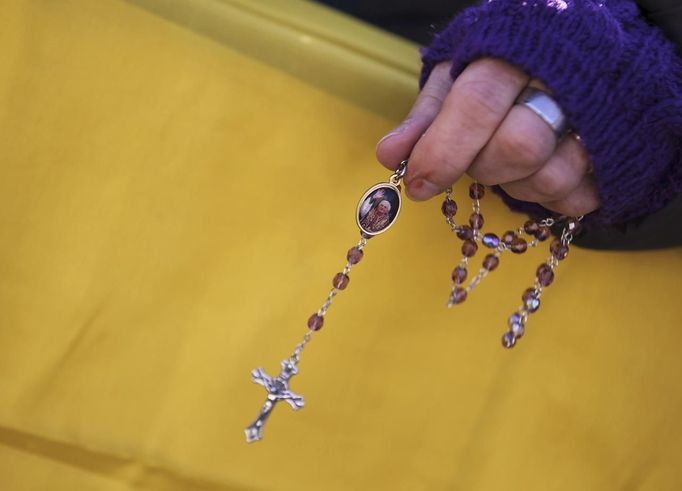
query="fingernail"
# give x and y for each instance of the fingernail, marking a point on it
(396, 131)
(421, 189)
(393, 133)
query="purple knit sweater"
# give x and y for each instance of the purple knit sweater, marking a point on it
(617, 78)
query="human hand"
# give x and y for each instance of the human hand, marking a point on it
(473, 126)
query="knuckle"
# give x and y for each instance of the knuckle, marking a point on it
(429, 102)
(499, 70)
(548, 184)
(437, 165)
(481, 97)
(516, 147)
(440, 76)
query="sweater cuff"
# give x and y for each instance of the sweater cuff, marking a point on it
(617, 79)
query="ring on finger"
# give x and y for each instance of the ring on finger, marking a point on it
(546, 107)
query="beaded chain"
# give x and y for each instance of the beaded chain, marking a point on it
(377, 210)
(372, 219)
(512, 240)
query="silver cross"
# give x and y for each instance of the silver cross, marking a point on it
(278, 390)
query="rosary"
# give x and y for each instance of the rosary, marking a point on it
(376, 212)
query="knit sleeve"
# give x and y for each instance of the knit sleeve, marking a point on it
(617, 78)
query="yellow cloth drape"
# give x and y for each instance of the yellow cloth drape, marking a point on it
(173, 208)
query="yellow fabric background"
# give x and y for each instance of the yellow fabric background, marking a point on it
(172, 211)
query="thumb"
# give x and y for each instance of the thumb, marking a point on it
(397, 145)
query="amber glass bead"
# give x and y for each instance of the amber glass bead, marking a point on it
(543, 233)
(490, 262)
(469, 248)
(458, 296)
(465, 232)
(558, 250)
(529, 293)
(340, 281)
(354, 255)
(476, 191)
(476, 221)
(449, 208)
(315, 322)
(544, 274)
(517, 329)
(518, 245)
(530, 300)
(508, 237)
(459, 274)
(530, 227)
(508, 339)
(515, 318)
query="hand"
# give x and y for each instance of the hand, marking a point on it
(473, 126)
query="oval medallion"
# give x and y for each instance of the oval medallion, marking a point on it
(378, 208)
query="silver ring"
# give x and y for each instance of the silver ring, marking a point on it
(546, 107)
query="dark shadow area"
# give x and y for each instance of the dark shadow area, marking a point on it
(417, 21)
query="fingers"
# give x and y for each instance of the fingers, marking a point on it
(556, 178)
(472, 125)
(519, 148)
(397, 145)
(535, 168)
(477, 103)
(563, 184)
(581, 200)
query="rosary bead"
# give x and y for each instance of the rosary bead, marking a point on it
(558, 250)
(340, 281)
(491, 262)
(459, 274)
(544, 274)
(476, 221)
(517, 329)
(532, 305)
(354, 255)
(315, 322)
(459, 295)
(518, 245)
(508, 339)
(529, 293)
(530, 300)
(449, 208)
(491, 240)
(465, 232)
(543, 233)
(469, 248)
(508, 237)
(530, 227)
(476, 191)
(515, 318)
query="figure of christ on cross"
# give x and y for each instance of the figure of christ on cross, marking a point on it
(278, 390)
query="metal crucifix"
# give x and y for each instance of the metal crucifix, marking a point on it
(278, 390)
